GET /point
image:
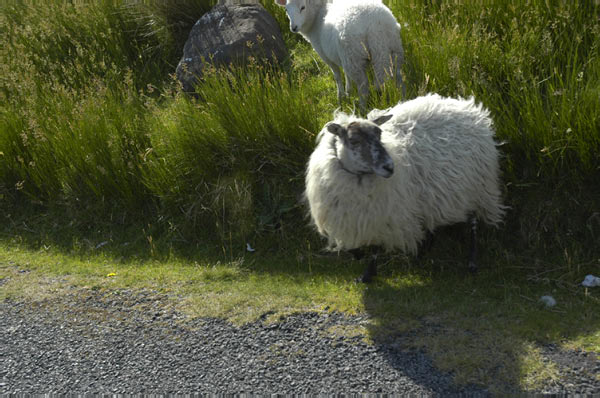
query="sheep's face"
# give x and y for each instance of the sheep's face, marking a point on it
(300, 13)
(359, 148)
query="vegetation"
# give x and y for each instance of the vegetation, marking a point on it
(106, 167)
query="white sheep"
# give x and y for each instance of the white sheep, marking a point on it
(349, 34)
(392, 178)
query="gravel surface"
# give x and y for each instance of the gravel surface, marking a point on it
(579, 370)
(133, 343)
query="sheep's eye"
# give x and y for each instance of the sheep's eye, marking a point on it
(302, 8)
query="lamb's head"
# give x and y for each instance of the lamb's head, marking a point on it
(359, 147)
(301, 13)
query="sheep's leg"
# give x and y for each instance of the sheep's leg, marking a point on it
(473, 251)
(338, 81)
(386, 67)
(355, 67)
(370, 271)
(426, 245)
(383, 69)
(397, 61)
(363, 94)
(358, 254)
(348, 84)
(359, 75)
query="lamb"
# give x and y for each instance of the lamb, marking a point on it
(349, 34)
(391, 179)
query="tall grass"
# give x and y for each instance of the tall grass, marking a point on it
(74, 148)
(244, 144)
(536, 66)
(91, 117)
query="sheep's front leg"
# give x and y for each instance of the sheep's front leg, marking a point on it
(370, 272)
(348, 84)
(338, 81)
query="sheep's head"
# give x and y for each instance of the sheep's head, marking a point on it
(359, 147)
(301, 13)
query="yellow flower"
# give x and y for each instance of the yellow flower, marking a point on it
(111, 274)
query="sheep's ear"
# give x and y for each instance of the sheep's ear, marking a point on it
(336, 129)
(280, 2)
(382, 119)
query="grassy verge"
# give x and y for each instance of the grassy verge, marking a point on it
(486, 329)
(111, 178)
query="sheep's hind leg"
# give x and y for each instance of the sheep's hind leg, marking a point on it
(473, 251)
(357, 73)
(397, 61)
(383, 69)
(358, 254)
(425, 245)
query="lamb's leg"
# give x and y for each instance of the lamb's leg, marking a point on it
(357, 72)
(473, 251)
(398, 59)
(388, 66)
(370, 271)
(348, 84)
(363, 95)
(338, 81)
(383, 69)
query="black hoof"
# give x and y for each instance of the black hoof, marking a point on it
(364, 279)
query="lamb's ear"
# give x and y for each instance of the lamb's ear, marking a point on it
(281, 2)
(382, 119)
(336, 129)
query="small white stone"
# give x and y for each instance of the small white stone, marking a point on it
(591, 281)
(548, 300)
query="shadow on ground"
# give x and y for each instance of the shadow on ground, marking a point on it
(488, 330)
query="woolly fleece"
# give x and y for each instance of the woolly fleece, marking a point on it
(446, 168)
(349, 34)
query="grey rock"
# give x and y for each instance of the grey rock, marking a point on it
(230, 34)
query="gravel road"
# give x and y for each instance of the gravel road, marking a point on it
(133, 343)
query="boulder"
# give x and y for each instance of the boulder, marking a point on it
(229, 34)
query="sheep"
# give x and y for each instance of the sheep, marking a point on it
(349, 34)
(391, 179)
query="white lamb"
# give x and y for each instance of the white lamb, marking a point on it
(349, 34)
(392, 178)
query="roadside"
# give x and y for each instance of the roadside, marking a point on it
(134, 341)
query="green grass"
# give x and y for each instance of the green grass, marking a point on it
(535, 67)
(486, 329)
(106, 167)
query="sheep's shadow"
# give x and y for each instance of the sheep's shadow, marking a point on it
(467, 328)
(394, 334)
